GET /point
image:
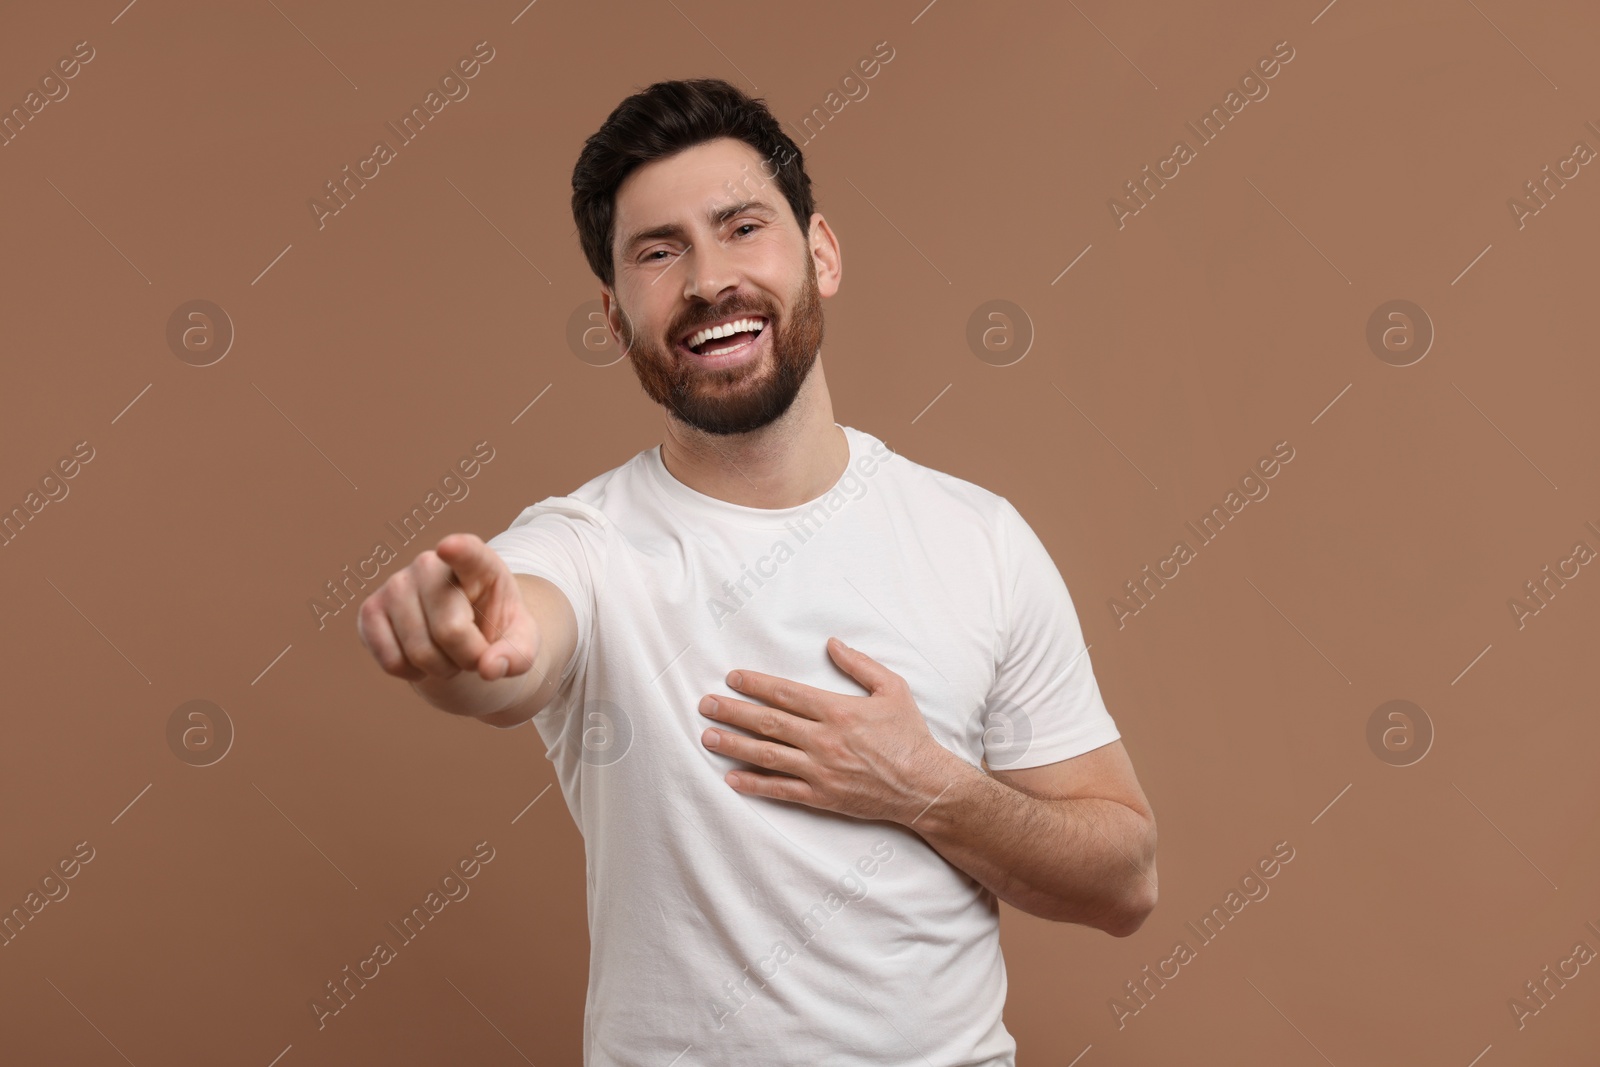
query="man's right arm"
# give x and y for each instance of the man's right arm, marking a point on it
(470, 636)
(515, 698)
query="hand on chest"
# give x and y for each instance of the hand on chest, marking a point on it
(772, 611)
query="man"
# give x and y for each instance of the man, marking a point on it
(771, 659)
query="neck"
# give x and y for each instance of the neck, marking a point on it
(795, 458)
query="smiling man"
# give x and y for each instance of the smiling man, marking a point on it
(814, 706)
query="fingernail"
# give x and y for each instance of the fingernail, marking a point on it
(711, 738)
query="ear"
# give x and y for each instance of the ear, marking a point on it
(824, 247)
(614, 316)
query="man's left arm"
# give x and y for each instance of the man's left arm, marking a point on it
(1071, 841)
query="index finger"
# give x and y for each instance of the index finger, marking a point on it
(782, 693)
(474, 564)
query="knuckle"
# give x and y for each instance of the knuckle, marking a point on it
(437, 619)
(372, 618)
(422, 654)
(451, 629)
(400, 585)
(767, 723)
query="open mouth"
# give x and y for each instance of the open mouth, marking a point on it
(725, 340)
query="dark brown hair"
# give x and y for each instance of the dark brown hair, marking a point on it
(662, 121)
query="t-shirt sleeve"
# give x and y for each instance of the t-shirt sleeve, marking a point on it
(1045, 705)
(558, 539)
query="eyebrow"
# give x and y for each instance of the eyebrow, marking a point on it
(716, 216)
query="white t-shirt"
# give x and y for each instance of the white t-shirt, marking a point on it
(734, 929)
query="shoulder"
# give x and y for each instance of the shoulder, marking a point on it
(935, 494)
(593, 506)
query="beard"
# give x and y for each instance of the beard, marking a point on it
(742, 398)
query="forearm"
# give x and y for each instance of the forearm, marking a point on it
(469, 694)
(1088, 860)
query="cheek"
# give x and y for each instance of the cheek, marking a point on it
(637, 320)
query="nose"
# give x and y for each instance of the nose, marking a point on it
(708, 273)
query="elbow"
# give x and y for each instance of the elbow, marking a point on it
(1133, 913)
(1121, 917)
(1139, 898)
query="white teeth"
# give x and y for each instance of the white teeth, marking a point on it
(736, 326)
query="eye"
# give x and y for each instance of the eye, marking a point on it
(747, 226)
(649, 257)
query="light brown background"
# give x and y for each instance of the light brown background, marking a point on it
(1225, 317)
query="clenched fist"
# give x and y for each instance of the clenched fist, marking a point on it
(452, 609)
